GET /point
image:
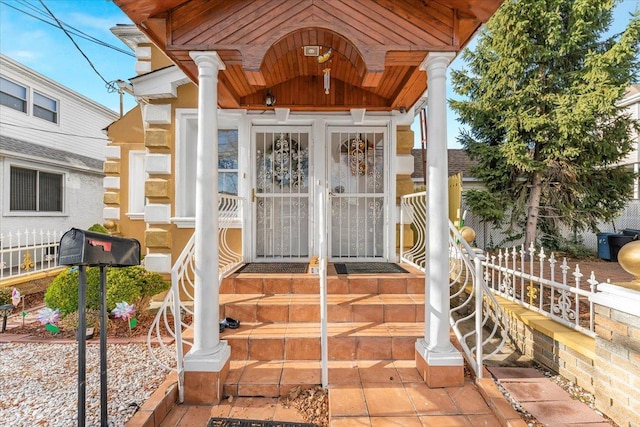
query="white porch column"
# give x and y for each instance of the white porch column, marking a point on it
(441, 363)
(208, 353)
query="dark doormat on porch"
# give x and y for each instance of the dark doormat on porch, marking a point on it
(274, 267)
(368, 268)
(235, 422)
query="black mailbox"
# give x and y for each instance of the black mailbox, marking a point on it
(80, 247)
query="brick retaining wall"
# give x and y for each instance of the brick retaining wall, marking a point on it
(607, 366)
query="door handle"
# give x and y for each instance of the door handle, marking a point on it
(253, 195)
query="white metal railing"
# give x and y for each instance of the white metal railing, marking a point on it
(25, 252)
(518, 274)
(176, 312)
(413, 213)
(478, 321)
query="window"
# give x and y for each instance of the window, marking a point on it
(137, 178)
(13, 95)
(45, 107)
(228, 162)
(35, 191)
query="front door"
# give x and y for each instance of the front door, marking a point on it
(282, 159)
(357, 194)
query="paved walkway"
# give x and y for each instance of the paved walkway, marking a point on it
(545, 400)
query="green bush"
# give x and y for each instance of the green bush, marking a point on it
(98, 228)
(5, 296)
(134, 285)
(63, 291)
(122, 285)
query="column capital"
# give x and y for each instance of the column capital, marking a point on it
(204, 58)
(436, 58)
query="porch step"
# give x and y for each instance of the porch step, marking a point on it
(285, 308)
(274, 378)
(301, 341)
(273, 284)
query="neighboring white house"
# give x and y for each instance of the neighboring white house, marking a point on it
(631, 102)
(51, 153)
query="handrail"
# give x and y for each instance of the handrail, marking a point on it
(475, 315)
(468, 286)
(179, 299)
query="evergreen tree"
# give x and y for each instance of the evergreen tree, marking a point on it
(542, 118)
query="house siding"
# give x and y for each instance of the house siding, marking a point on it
(74, 147)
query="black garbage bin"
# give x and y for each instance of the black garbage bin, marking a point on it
(616, 242)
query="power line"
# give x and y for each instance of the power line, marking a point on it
(57, 133)
(76, 32)
(108, 84)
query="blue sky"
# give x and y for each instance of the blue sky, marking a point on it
(47, 50)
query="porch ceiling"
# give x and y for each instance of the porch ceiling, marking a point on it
(377, 46)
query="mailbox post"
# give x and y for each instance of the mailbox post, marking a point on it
(87, 249)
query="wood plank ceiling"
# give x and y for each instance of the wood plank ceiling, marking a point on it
(376, 46)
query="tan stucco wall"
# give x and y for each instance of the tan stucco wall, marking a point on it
(128, 134)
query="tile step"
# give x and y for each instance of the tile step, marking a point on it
(275, 378)
(301, 341)
(306, 308)
(310, 284)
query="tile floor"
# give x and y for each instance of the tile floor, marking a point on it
(362, 393)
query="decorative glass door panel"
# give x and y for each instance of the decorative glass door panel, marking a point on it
(282, 195)
(357, 193)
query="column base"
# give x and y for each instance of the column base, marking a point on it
(205, 374)
(439, 369)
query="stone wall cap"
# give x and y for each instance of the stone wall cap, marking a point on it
(617, 297)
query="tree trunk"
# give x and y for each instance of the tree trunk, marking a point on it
(533, 204)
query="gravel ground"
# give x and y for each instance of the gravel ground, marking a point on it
(39, 383)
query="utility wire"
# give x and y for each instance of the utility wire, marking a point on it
(76, 32)
(49, 131)
(109, 85)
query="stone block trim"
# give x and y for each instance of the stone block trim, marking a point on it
(405, 139)
(158, 139)
(111, 198)
(157, 238)
(156, 188)
(111, 167)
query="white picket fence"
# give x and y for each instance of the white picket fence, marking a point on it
(25, 252)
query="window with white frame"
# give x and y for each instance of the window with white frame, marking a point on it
(228, 161)
(32, 190)
(13, 95)
(137, 178)
(186, 156)
(44, 107)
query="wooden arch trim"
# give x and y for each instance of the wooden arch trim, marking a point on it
(297, 40)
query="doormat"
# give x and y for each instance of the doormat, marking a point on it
(274, 267)
(235, 422)
(368, 268)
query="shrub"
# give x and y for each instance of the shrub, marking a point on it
(135, 285)
(5, 296)
(122, 285)
(63, 291)
(98, 228)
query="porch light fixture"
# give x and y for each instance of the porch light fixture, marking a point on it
(269, 99)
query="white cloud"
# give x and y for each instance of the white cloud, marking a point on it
(24, 56)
